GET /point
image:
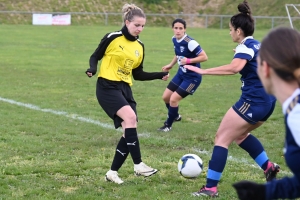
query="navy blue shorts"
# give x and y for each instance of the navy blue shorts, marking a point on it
(252, 112)
(184, 86)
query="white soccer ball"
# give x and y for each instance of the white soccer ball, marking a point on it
(190, 166)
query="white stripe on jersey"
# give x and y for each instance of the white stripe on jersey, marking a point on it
(114, 33)
(294, 116)
(293, 122)
(192, 45)
(241, 48)
(287, 102)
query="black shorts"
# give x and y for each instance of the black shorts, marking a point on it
(113, 95)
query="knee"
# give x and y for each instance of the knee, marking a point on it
(241, 138)
(166, 98)
(222, 140)
(174, 102)
(130, 120)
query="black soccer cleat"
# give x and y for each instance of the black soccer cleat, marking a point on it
(165, 128)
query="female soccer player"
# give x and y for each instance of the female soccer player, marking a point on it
(279, 71)
(185, 82)
(248, 113)
(122, 55)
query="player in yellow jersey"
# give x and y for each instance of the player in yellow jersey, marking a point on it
(122, 55)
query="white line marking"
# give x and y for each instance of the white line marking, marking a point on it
(62, 113)
(104, 125)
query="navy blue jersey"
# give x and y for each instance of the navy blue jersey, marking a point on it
(289, 187)
(252, 88)
(189, 48)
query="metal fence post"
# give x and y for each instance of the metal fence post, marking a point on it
(221, 22)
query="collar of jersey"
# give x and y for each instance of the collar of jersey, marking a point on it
(287, 102)
(127, 35)
(246, 38)
(181, 38)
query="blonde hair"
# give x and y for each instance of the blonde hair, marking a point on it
(130, 11)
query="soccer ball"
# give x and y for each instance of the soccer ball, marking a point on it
(190, 166)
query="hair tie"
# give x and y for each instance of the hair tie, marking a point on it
(297, 73)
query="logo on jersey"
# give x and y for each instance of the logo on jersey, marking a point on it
(137, 53)
(257, 46)
(250, 115)
(181, 49)
(183, 69)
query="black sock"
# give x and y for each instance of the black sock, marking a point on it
(120, 155)
(133, 145)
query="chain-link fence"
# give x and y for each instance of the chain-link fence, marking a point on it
(153, 19)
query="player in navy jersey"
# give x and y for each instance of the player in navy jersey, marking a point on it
(279, 71)
(185, 82)
(252, 109)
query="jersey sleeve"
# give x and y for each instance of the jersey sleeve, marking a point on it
(140, 75)
(194, 46)
(293, 123)
(99, 52)
(243, 52)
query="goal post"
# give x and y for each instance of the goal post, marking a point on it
(287, 6)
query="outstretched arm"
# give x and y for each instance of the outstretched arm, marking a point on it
(139, 74)
(169, 66)
(202, 57)
(234, 67)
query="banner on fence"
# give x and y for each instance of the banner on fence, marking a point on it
(61, 19)
(42, 19)
(50, 19)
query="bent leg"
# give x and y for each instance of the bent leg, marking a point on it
(231, 127)
(129, 126)
(173, 109)
(167, 95)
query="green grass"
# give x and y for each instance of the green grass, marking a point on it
(48, 154)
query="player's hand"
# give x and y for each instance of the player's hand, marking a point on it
(248, 190)
(166, 68)
(194, 69)
(90, 72)
(166, 77)
(183, 60)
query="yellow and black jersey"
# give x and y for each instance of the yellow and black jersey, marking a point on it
(122, 57)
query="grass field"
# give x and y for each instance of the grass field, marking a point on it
(57, 143)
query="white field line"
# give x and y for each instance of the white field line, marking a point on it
(104, 125)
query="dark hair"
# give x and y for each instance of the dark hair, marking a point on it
(130, 11)
(243, 20)
(281, 50)
(179, 21)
